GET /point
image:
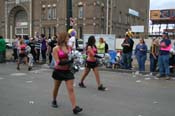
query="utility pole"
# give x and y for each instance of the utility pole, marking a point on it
(107, 17)
(69, 13)
(30, 33)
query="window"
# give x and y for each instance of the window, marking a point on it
(49, 31)
(49, 13)
(127, 19)
(43, 30)
(20, 1)
(43, 13)
(17, 1)
(120, 18)
(54, 12)
(80, 13)
(54, 30)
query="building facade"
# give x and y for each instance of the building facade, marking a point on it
(25, 17)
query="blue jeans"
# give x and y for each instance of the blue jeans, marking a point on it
(126, 57)
(130, 62)
(141, 62)
(163, 62)
(153, 63)
(52, 64)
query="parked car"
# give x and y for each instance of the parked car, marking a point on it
(8, 44)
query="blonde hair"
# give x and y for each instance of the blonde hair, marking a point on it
(62, 38)
(156, 41)
(101, 40)
(21, 41)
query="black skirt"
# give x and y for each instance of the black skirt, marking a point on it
(91, 64)
(62, 75)
(22, 55)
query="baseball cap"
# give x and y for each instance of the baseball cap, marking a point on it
(165, 33)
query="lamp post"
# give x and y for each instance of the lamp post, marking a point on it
(80, 18)
(69, 13)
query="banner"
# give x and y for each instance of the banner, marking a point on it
(137, 28)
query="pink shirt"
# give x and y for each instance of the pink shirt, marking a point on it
(62, 56)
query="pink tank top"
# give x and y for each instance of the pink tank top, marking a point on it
(94, 52)
(62, 55)
(168, 48)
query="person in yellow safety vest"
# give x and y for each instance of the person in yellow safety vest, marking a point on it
(101, 46)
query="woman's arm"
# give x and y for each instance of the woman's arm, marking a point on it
(153, 51)
(144, 48)
(55, 54)
(136, 48)
(90, 51)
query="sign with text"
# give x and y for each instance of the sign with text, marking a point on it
(137, 28)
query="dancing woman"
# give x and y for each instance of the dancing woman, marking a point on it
(62, 71)
(91, 63)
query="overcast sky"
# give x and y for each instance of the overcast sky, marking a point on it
(162, 4)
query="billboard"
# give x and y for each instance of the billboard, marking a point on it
(162, 14)
(155, 14)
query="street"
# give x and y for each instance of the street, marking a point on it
(24, 93)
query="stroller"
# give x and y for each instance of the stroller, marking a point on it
(114, 60)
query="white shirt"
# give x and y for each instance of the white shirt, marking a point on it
(71, 42)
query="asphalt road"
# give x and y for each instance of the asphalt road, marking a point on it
(24, 93)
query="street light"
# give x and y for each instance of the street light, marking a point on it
(69, 13)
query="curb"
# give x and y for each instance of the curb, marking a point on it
(129, 71)
(122, 70)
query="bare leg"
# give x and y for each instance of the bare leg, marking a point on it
(85, 73)
(71, 93)
(18, 63)
(96, 72)
(100, 86)
(56, 88)
(25, 60)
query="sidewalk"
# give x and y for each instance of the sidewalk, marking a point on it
(9, 57)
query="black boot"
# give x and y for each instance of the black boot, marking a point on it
(81, 84)
(17, 68)
(77, 109)
(102, 88)
(54, 104)
(29, 68)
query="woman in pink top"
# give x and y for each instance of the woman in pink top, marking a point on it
(91, 63)
(62, 71)
(22, 56)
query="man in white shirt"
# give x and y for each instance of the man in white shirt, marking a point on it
(71, 42)
(72, 39)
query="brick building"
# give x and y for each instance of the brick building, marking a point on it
(25, 17)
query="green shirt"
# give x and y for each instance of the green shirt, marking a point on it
(2, 45)
(101, 48)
